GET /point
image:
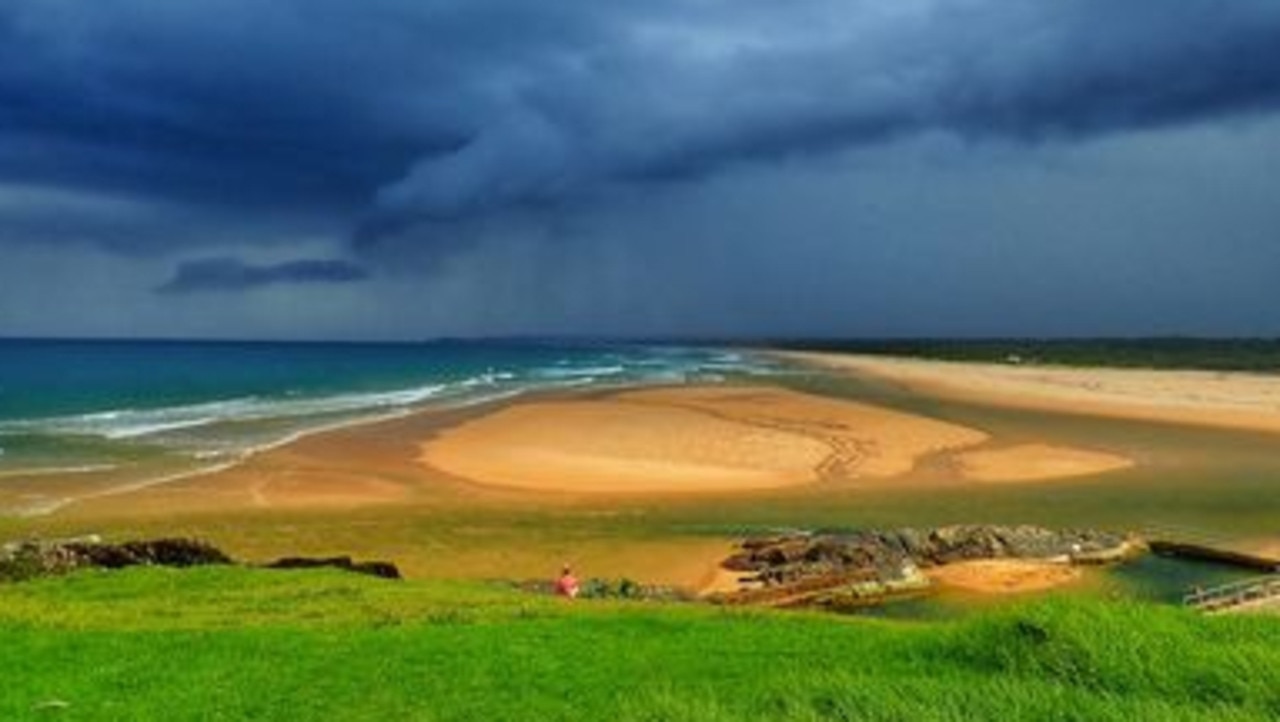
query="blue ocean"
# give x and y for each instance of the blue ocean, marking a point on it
(138, 411)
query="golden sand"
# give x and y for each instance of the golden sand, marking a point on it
(711, 439)
(698, 439)
(1033, 462)
(1222, 399)
(1004, 576)
(1268, 546)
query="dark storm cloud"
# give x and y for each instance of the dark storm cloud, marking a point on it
(416, 114)
(230, 274)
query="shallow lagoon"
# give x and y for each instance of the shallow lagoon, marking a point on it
(1194, 483)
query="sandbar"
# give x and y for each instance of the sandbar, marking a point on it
(689, 439)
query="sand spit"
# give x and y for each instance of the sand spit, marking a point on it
(1223, 399)
(690, 439)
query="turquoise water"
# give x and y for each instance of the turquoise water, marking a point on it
(114, 407)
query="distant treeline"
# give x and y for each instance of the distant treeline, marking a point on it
(1250, 354)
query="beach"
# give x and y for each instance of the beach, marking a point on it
(689, 440)
(620, 480)
(1235, 400)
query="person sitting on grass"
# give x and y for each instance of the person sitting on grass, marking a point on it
(567, 584)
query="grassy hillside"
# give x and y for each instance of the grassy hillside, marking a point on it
(160, 644)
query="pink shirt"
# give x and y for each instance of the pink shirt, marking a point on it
(567, 586)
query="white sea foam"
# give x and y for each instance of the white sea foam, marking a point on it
(579, 372)
(119, 424)
(58, 470)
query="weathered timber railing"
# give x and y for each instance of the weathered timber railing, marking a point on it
(1235, 594)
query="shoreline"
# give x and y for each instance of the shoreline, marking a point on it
(247, 454)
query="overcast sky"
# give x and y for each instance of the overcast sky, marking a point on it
(415, 168)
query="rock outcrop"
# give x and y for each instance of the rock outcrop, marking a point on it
(871, 565)
(385, 570)
(26, 559)
(29, 559)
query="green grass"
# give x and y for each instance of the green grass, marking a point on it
(214, 644)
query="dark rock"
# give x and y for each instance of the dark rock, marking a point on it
(385, 570)
(24, 560)
(744, 562)
(156, 552)
(28, 559)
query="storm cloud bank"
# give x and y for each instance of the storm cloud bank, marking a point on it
(411, 127)
(229, 274)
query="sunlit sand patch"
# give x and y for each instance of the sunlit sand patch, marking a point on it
(1031, 462)
(1264, 546)
(864, 440)
(614, 446)
(1004, 576)
(689, 439)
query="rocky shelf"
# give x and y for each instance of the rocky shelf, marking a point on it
(871, 566)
